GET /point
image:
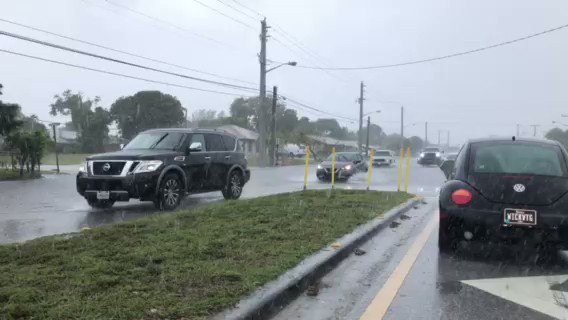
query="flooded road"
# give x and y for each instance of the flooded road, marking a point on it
(51, 205)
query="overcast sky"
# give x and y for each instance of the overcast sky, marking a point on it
(476, 95)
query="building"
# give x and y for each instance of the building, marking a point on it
(324, 144)
(247, 138)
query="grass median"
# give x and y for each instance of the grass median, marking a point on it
(184, 265)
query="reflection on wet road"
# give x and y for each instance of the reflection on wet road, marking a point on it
(51, 205)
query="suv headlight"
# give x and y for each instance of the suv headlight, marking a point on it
(148, 166)
(83, 167)
(319, 166)
(437, 154)
(348, 167)
(422, 155)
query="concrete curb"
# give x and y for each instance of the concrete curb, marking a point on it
(270, 298)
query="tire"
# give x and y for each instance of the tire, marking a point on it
(170, 192)
(234, 187)
(447, 237)
(100, 204)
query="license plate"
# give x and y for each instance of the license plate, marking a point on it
(520, 217)
(103, 195)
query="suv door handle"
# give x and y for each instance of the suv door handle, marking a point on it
(207, 158)
(227, 157)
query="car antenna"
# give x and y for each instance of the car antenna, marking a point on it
(514, 138)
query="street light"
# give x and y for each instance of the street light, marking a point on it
(368, 113)
(289, 63)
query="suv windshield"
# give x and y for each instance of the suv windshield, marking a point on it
(343, 157)
(431, 150)
(518, 159)
(155, 140)
(383, 153)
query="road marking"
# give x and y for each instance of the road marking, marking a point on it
(545, 294)
(380, 304)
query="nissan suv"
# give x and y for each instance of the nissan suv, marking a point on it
(164, 165)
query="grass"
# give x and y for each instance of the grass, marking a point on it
(65, 158)
(9, 174)
(185, 265)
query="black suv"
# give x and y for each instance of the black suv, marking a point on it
(163, 165)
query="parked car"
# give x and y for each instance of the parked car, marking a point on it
(163, 165)
(511, 188)
(383, 158)
(294, 150)
(430, 156)
(346, 165)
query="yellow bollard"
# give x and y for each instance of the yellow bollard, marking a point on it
(370, 174)
(400, 168)
(333, 167)
(307, 167)
(407, 169)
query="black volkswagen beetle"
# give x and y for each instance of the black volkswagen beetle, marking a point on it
(505, 189)
(346, 165)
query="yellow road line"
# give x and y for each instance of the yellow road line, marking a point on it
(380, 304)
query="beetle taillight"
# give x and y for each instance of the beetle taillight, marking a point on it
(461, 197)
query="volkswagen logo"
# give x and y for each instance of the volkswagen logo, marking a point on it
(106, 167)
(519, 187)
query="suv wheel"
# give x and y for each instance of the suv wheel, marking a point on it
(170, 192)
(234, 186)
(100, 204)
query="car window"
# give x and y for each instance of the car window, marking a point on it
(156, 140)
(518, 159)
(198, 137)
(229, 143)
(214, 142)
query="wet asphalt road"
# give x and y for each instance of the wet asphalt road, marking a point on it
(480, 281)
(50, 205)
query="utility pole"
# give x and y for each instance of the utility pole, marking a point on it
(534, 128)
(518, 130)
(368, 130)
(262, 127)
(426, 133)
(361, 99)
(439, 132)
(448, 138)
(273, 127)
(401, 128)
(53, 125)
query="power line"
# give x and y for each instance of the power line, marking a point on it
(260, 15)
(238, 10)
(225, 15)
(118, 74)
(49, 44)
(165, 22)
(295, 101)
(452, 55)
(122, 51)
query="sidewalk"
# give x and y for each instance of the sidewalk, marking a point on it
(70, 168)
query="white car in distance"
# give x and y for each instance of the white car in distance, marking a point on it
(383, 158)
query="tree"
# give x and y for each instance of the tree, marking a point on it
(376, 134)
(559, 135)
(146, 110)
(9, 116)
(91, 125)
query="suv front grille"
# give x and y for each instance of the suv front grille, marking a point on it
(108, 168)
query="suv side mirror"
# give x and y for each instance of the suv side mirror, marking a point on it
(196, 147)
(447, 167)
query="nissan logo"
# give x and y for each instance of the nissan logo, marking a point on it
(106, 167)
(519, 187)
